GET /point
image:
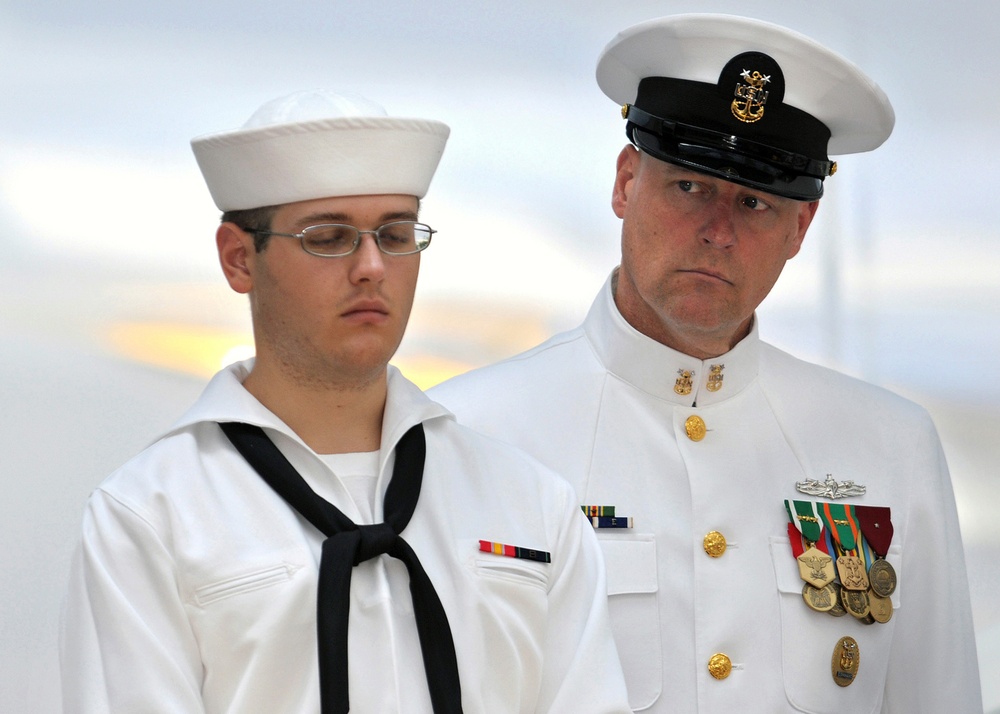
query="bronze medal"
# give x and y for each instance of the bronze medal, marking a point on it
(816, 567)
(880, 607)
(882, 578)
(819, 599)
(845, 662)
(876, 526)
(838, 609)
(852, 573)
(856, 603)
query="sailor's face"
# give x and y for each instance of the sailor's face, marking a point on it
(699, 254)
(338, 318)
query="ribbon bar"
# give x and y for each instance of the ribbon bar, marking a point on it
(611, 521)
(513, 551)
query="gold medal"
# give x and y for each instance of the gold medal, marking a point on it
(882, 578)
(845, 661)
(880, 607)
(816, 567)
(819, 599)
(856, 603)
(852, 573)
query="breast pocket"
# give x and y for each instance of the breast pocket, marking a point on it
(244, 583)
(808, 640)
(244, 607)
(632, 601)
(513, 570)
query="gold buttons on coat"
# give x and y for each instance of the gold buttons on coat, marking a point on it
(715, 544)
(695, 428)
(720, 666)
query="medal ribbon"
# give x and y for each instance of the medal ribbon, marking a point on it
(806, 519)
(863, 549)
(865, 552)
(795, 538)
(835, 515)
(876, 525)
(826, 544)
(798, 547)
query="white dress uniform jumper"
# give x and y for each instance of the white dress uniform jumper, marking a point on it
(194, 588)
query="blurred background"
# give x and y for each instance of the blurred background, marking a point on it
(113, 312)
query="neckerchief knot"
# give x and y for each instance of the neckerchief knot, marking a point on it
(375, 540)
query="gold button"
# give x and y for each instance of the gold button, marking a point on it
(720, 666)
(695, 428)
(715, 544)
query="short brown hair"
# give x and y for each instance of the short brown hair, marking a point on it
(253, 219)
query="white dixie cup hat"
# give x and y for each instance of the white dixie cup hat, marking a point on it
(319, 144)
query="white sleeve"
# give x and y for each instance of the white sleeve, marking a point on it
(933, 663)
(126, 644)
(582, 673)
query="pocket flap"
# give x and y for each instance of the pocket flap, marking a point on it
(631, 564)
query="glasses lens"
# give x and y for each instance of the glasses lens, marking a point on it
(404, 237)
(330, 239)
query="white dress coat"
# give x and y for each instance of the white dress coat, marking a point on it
(598, 404)
(194, 586)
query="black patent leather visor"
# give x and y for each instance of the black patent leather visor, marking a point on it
(728, 157)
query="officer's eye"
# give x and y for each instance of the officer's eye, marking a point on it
(755, 204)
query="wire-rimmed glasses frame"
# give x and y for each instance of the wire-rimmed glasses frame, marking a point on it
(337, 240)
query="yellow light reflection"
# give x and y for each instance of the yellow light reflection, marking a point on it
(191, 349)
(425, 370)
(202, 351)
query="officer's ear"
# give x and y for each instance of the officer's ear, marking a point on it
(628, 165)
(807, 211)
(236, 254)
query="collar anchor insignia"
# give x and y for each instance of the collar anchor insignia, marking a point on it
(715, 377)
(829, 488)
(685, 382)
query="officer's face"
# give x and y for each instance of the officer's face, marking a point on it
(699, 254)
(329, 320)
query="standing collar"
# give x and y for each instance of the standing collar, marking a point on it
(664, 372)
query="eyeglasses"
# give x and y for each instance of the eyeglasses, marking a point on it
(335, 240)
